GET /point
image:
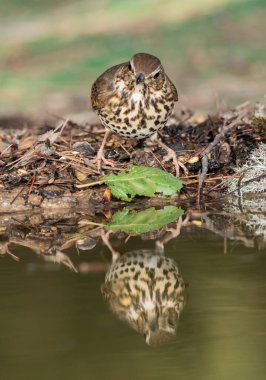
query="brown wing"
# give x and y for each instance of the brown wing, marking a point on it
(103, 86)
(174, 90)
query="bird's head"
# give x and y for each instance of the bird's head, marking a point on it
(144, 70)
(158, 324)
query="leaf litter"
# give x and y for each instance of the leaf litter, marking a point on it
(48, 166)
(52, 198)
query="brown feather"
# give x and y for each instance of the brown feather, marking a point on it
(145, 63)
(134, 109)
(102, 88)
(173, 88)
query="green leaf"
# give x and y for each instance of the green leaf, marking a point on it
(141, 180)
(138, 222)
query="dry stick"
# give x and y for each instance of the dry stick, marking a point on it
(243, 184)
(159, 162)
(235, 175)
(127, 152)
(84, 223)
(64, 140)
(27, 154)
(16, 258)
(208, 179)
(209, 148)
(32, 151)
(203, 172)
(66, 156)
(32, 183)
(31, 187)
(196, 175)
(82, 186)
(239, 192)
(20, 191)
(33, 178)
(89, 168)
(5, 150)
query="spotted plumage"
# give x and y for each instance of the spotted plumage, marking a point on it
(145, 289)
(135, 98)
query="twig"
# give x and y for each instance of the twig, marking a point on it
(257, 178)
(20, 191)
(202, 175)
(208, 179)
(89, 184)
(84, 222)
(127, 152)
(157, 160)
(31, 186)
(5, 150)
(243, 184)
(32, 183)
(16, 258)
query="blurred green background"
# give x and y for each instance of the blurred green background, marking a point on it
(52, 51)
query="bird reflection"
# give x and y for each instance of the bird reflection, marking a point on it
(145, 289)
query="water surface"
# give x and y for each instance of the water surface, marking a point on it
(56, 325)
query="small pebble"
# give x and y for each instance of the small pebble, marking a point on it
(84, 147)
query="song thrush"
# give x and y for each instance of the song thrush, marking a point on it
(135, 99)
(146, 289)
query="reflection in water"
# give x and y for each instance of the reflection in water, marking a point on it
(145, 289)
(142, 287)
(250, 214)
(222, 334)
(49, 234)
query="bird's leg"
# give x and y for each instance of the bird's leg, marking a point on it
(100, 155)
(172, 233)
(171, 155)
(106, 241)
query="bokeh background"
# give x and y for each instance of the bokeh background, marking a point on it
(51, 51)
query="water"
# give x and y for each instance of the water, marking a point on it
(55, 323)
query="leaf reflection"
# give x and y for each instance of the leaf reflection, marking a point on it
(138, 222)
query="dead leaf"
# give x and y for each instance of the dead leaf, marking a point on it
(27, 143)
(107, 195)
(22, 171)
(80, 175)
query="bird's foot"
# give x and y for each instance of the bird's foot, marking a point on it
(105, 238)
(100, 158)
(100, 155)
(171, 156)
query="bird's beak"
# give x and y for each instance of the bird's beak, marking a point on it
(153, 323)
(153, 326)
(139, 78)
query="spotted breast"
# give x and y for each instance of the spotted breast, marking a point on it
(135, 98)
(146, 290)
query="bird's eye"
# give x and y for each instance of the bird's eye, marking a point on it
(156, 75)
(129, 67)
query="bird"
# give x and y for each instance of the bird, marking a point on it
(135, 99)
(145, 289)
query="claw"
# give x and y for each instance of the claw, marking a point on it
(171, 155)
(177, 164)
(100, 155)
(100, 158)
